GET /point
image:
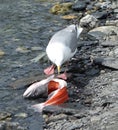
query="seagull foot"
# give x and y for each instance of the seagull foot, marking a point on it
(63, 76)
(49, 70)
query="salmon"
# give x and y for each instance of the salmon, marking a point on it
(57, 90)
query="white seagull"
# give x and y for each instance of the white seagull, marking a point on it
(62, 46)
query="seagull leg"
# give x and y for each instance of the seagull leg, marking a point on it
(49, 70)
(64, 75)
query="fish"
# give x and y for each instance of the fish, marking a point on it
(55, 88)
(38, 89)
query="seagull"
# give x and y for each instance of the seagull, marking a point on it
(62, 47)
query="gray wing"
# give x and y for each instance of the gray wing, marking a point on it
(66, 37)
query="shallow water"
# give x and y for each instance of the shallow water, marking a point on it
(24, 24)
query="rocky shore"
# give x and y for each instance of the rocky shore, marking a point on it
(93, 85)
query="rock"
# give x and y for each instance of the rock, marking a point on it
(79, 6)
(109, 43)
(88, 21)
(111, 23)
(2, 125)
(61, 8)
(11, 126)
(101, 14)
(103, 31)
(69, 17)
(5, 115)
(2, 53)
(23, 115)
(57, 117)
(95, 119)
(103, 5)
(36, 48)
(114, 53)
(22, 50)
(108, 62)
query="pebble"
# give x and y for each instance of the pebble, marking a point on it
(23, 115)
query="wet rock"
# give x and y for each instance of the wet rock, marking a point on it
(69, 17)
(22, 50)
(2, 53)
(88, 21)
(103, 31)
(61, 8)
(79, 6)
(108, 62)
(23, 115)
(109, 43)
(5, 115)
(36, 48)
(101, 14)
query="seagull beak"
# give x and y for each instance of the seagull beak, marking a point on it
(59, 69)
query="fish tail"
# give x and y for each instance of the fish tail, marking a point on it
(38, 107)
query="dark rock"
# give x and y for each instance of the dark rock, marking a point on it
(89, 7)
(108, 62)
(79, 6)
(101, 15)
(109, 43)
(92, 71)
(67, 0)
